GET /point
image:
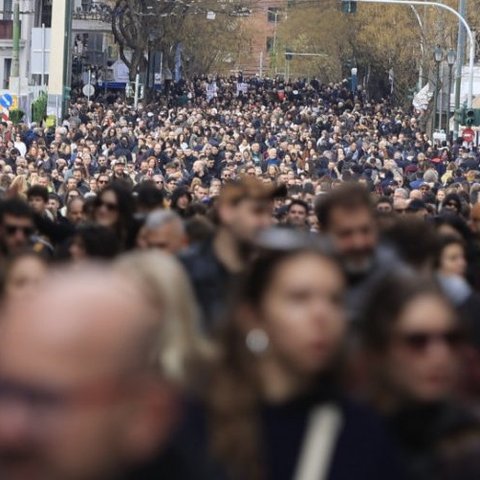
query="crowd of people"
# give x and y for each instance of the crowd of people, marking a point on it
(245, 280)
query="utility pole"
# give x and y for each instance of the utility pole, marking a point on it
(462, 10)
(16, 40)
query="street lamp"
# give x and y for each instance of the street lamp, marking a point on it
(437, 55)
(451, 58)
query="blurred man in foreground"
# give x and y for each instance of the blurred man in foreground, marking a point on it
(79, 396)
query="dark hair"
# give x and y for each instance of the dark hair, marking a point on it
(444, 242)
(351, 196)
(149, 196)
(99, 242)
(301, 203)
(38, 191)
(16, 207)
(386, 303)
(126, 209)
(414, 240)
(233, 396)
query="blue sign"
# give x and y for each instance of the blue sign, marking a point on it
(6, 100)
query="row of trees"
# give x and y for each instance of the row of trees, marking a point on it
(211, 32)
(378, 39)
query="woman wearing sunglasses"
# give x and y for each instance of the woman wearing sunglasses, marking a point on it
(413, 341)
(114, 209)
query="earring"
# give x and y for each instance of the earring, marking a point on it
(257, 341)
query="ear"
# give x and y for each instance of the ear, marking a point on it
(247, 318)
(155, 416)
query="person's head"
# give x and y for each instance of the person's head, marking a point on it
(120, 166)
(384, 205)
(452, 204)
(164, 230)
(200, 193)
(81, 397)
(451, 256)
(93, 242)
(411, 333)
(114, 207)
(54, 203)
(22, 275)
(75, 210)
(285, 331)
(37, 198)
(346, 215)
(245, 207)
(297, 213)
(16, 225)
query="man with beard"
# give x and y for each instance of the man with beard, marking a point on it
(244, 208)
(347, 217)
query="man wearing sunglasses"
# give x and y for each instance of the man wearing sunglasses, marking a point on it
(16, 226)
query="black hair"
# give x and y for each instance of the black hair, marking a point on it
(38, 191)
(16, 207)
(98, 241)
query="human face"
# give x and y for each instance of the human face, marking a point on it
(452, 260)
(106, 212)
(421, 361)
(38, 204)
(354, 236)
(53, 205)
(16, 233)
(77, 250)
(384, 207)
(302, 314)
(23, 277)
(247, 219)
(201, 193)
(297, 215)
(169, 238)
(75, 212)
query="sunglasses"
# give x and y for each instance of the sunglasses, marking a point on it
(102, 181)
(453, 205)
(420, 341)
(13, 229)
(111, 207)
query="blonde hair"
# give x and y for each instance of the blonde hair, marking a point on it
(162, 280)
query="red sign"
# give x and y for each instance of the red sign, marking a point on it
(468, 135)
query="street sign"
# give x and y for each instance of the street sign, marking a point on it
(468, 135)
(6, 101)
(88, 90)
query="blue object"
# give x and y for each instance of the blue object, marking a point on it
(6, 100)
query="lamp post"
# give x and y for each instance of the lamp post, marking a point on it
(451, 58)
(437, 55)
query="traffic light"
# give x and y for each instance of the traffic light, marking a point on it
(349, 6)
(460, 116)
(470, 117)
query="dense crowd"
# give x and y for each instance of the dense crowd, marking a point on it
(244, 280)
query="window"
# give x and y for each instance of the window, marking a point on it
(269, 44)
(274, 15)
(7, 9)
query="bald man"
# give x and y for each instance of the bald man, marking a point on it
(79, 397)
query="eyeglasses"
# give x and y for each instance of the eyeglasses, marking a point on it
(13, 229)
(160, 182)
(102, 181)
(453, 205)
(111, 207)
(421, 341)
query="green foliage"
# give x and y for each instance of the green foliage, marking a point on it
(39, 108)
(16, 115)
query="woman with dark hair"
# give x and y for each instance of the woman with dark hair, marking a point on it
(274, 410)
(412, 338)
(114, 209)
(180, 200)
